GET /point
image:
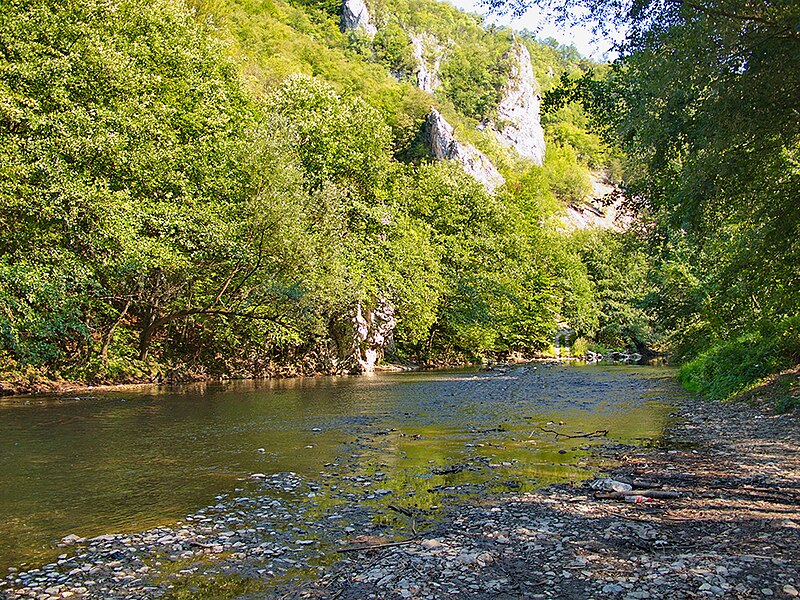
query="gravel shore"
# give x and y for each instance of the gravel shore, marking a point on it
(733, 533)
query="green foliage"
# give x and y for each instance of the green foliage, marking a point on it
(568, 179)
(617, 270)
(213, 188)
(731, 366)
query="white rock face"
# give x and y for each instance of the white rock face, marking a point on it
(444, 146)
(428, 53)
(360, 340)
(598, 212)
(373, 331)
(356, 17)
(518, 122)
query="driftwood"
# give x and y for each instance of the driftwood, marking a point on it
(598, 433)
(400, 509)
(377, 546)
(654, 494)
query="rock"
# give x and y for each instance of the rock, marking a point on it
(429, 54)
(361, 341)
(444, 146)
(518, 111)
(790, 590)
(71, 539)
(431, 544)
(356, 17)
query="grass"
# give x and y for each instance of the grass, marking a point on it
(781, 390)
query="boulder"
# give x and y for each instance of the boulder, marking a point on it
(444, 146)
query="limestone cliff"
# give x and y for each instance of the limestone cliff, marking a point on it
(361, 339)
(518, 123)
(604, 210)
(428, 53)
(356, 17)
(444, 146)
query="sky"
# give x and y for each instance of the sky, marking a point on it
(582, 37)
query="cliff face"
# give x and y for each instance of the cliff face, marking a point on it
(444, 146)
(518, 123)
(428, 53)
(356, 17)
(603, 211)
(361, 340)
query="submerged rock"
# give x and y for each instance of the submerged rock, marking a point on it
(444, 146)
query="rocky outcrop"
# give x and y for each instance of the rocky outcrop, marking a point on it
(356, 17)
(518, 123)
(604, 210)
(362, 339)
(428, 53)
(373, 333)
(444, 146)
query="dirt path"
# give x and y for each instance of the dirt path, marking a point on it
(735, 533)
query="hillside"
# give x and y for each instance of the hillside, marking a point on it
(236, 188)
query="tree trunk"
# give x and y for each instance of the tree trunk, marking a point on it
(110, 333)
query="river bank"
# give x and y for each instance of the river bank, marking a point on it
(733, 534)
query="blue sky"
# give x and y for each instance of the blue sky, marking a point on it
(582, 37)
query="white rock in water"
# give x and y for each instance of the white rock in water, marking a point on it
(356, 17)
(518, 111)
(69, 540)
(444, 146)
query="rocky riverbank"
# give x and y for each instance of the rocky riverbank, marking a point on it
(733, 533)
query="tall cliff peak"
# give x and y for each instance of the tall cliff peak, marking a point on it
(428, 52)
(444, 146)
(518, 122)
(356, 17)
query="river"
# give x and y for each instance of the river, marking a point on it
(129, 461)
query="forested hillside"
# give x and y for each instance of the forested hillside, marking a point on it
(704, 104)
(245, 187)
(240, 188)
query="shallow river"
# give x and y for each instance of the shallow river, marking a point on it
(127, 461)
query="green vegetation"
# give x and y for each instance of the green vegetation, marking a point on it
(703, 104)
(216, 188)
(213, 188)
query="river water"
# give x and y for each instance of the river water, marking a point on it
(128, 461)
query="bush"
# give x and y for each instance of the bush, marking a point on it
(732, 366)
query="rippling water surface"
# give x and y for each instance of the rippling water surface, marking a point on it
(126, 461)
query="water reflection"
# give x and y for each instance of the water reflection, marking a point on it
(130, 460)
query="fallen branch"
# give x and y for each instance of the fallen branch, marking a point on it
(376, 546)
(598, 433)
(400, 509)
(407, 513)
